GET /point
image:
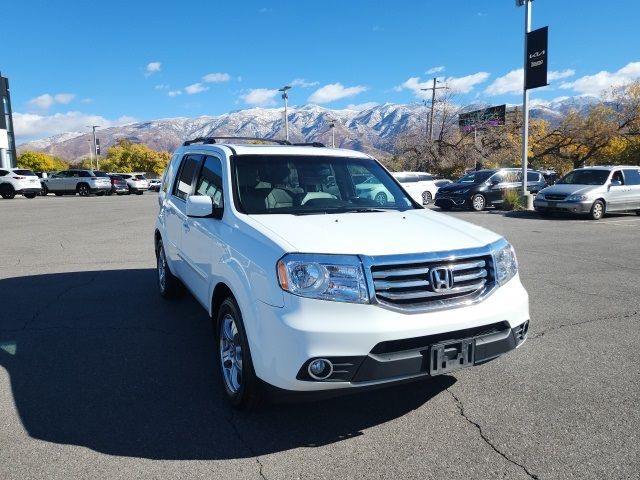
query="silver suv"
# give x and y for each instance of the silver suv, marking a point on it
(82, 182)
(593, 191)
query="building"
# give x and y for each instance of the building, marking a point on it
(7, 137)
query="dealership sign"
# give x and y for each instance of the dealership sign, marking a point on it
(537, 50)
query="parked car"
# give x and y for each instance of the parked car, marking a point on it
(593, 191)
(372, 189)
(441, 182)
(43, 185)
(420, 185)
(154, 184)
(323, 292)
(118, 185)
(82, 182)
(18, 181)
(136, 182)
(482, 188)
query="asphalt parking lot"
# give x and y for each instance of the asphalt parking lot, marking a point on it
(101, 378)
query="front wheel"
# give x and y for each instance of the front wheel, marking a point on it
(478, 203)
(236, 368)
(83, 190)
(426, 197)
(597, 210)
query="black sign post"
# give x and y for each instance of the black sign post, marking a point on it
(537, 48)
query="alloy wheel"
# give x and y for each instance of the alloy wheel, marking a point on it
(230, 354)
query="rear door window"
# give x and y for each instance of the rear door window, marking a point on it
(631, 177)
(182, 187)
(533, 177)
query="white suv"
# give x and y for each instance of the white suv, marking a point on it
(136, 182)
(312, 287)
(420, 185)
(18, 181)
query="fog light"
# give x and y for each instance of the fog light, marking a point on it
(320, 369)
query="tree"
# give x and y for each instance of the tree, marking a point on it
(127, 156)
(40, 162)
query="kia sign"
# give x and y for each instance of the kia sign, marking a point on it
(536, 73)
(480, 119)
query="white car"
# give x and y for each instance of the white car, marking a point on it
(313, 288)
(18, 181)
(420, 185)
(136, 182)
(372, 189)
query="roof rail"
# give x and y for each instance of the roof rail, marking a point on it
(212, 140)
(310, 144)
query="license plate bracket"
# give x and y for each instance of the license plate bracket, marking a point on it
(449, 356)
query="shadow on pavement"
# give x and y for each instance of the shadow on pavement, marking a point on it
(99, 360)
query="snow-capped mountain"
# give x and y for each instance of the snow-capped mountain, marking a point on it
(373, 130)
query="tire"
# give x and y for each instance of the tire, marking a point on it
(241, 386)
(44, 191)
(83, 190)
(478, 202)
(638, 212)
(58, 194)
(168, 284)
(381, 198)
(101, 194)
(597, 210)
(30, 195)
(426, 198)
(109, 193)
(139, 193)
(7, 192)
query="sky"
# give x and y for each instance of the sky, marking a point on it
(75, 63)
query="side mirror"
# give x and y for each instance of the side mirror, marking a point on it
(615, 183)
(201, 206)
(495, 182)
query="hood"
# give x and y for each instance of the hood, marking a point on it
(565, 189)
(452, 187)
(376, 233)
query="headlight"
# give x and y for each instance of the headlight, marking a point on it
(326, 277)
(577, 198)
(540, 196)
(506, 264)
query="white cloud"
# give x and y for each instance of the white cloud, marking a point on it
(162, 87)
(261, 97)
(195, 88)
(152, 67)
(602, 81)
(216, 77)
(174, 93)
(513, 82)
(32, 126)
(433, 70)
(335, 91)
(47, 100)
(302, 83)
(362, 106)
(455, 84)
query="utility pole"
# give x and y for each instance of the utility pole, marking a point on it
(94, 149)
(332, 126)
(285, 97)
(90, 153)
(433, 101)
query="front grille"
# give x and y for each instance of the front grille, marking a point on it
(555, 196)
(411, 285)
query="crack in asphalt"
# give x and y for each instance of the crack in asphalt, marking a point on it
(560, 327)
(38, 308)
(236, 430)
(484, 437)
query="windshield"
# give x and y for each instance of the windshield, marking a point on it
(585, 177)
(475, 177)
(304, 185)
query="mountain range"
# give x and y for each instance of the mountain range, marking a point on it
(373, 130)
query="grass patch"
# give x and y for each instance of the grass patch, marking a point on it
(512, 201)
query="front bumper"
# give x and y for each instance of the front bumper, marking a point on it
(450, 200)
(562, 206)
(372, 345)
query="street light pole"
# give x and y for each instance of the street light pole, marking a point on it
(525, 96)
(95, 150)
(285, 97)
(90, 153)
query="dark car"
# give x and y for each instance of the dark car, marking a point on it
(118, 185)
(478, 189)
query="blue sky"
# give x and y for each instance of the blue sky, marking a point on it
(73, 63)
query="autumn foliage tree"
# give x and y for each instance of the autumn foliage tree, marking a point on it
(127, 156)
(40, 162)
